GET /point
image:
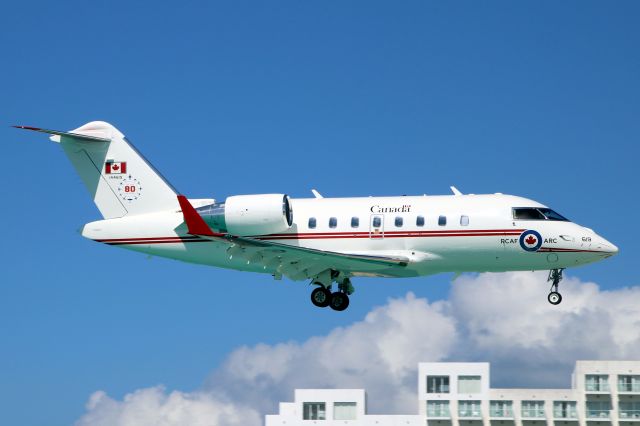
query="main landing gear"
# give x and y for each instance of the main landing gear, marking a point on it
(555, 276)
(323, 297)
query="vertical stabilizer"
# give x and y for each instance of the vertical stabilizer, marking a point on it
(120, 180)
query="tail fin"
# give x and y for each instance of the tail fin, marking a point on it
(120, 180)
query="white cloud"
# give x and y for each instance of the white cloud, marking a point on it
(155, 407)
(501, 318)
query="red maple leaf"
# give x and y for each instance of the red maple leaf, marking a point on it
(531, 240)
(115, 167)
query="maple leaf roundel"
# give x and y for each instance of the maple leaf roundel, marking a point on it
(530, 240)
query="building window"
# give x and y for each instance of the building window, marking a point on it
(532, 409)
(333, 222)
(377, 222)
(469, 409)
(464, 220)
(355, 222)
(469, 384)
(313, 411)
(437, 384)
(565, 410)
(598, 409)
(442, 220)
(629, 383)
(344, 411)
(312, 222)
(597, 383)
(420, 221)
(398, 222)
(501, 409)
(629, 410)
(438, 409)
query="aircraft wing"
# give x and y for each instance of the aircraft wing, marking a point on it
(297, 263)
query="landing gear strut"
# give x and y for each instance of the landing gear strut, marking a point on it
(555, 276)
(323, 297)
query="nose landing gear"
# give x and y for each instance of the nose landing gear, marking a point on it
(555, 276)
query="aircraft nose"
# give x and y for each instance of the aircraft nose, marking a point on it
(607, 247)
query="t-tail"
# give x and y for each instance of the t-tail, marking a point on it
(120, 180)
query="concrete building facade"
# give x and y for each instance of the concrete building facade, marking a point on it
(603, 393)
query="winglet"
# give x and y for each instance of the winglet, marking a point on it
(195, 222)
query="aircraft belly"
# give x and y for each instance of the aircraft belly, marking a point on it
(205, 253)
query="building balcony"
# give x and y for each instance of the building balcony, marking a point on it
(598, 414)
(501, 414)
(568, 415)
(470, 415)
(442, 413)
(628, 387)
(629, 415)
(597, 388)
(532, 414)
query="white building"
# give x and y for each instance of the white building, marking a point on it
(603, 393)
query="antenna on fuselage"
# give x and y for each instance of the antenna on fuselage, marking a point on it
(316, 194)
(455, 191)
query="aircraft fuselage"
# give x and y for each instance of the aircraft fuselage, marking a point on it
(457, 233)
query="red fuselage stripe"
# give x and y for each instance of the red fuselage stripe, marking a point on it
(324, 235)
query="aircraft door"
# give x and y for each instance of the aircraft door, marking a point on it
(376, 226)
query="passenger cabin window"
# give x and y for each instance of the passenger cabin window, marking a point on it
(537, 213)
(377, 222)
(420, 221)
(398, 222)
(464, 220)
(333, 222)
(312, 222)
(355, 222)
(442, 220)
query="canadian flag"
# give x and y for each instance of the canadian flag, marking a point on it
(113, 168)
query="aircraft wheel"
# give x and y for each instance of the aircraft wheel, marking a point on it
(554, 298)
(339, 301)
(321, 297)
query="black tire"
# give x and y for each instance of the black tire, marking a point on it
(554, 298)
(339, 301)
(321, 297)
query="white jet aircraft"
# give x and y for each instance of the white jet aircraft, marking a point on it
(325, 240)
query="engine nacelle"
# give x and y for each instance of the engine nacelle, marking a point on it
(262, 214)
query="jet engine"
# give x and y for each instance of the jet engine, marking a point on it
(247, 215)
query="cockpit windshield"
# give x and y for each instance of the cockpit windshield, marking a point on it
(537, 213)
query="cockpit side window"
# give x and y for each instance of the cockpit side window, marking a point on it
(536, 213)
(553, 215)
(527, 213)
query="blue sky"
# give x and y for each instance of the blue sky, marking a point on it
(539, 99)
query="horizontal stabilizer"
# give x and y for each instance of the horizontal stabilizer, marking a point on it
(78, 136)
